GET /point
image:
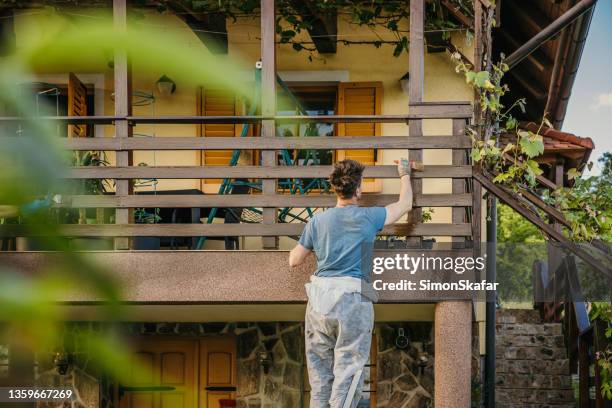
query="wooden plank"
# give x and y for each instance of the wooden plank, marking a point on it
(222, 230)
(70, 120)
(123, 107)
(268, 108)
(255, 200)
(436, 110)
(258, 172)
(255, 143)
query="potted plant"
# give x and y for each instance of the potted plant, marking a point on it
(89, 187)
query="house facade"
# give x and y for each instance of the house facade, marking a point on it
(209, 186)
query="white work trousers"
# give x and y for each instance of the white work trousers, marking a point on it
(337, 347)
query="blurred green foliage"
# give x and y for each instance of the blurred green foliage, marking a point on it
(32, 165)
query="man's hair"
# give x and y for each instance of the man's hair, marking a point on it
(346, 178)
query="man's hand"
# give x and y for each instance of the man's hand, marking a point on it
(396, 210)
(403, 167)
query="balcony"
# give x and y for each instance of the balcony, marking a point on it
(123, 200)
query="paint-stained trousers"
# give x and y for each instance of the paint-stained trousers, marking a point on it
(337, 347)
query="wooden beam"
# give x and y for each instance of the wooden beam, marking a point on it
(457, 14)
(256, 172)
(254, 200)
(549, 31)
(210, 28)
(254, 143)
(268, 108)
(222, 230)
(549, 230)
(416, 62)
(123, 108)
(425, 110)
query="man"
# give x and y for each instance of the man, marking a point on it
(339, 320)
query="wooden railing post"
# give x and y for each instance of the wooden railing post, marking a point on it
(476, 186)
(268, 108)
(123, 108)
(416, 56)
(458, 185)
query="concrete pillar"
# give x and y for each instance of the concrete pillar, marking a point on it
(453, 351)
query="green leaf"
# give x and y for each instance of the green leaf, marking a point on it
(535, 167)
(470, 76)
(573, 174)
(501, 177)
(511, 123)
(476, 155)
(532, 145)
(481, 79)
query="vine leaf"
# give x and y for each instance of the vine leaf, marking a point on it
(531, 144)
(482, 79)
(573, 174)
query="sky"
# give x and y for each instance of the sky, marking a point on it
(589, 113)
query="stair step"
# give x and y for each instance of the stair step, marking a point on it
(530, 396)
(519, 315)
(526, 340)
(531, 353)
(538, 381)
(532, 367)
(547, 329)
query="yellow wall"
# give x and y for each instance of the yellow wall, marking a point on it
(363, 63)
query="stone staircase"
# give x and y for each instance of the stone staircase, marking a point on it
(532, 365)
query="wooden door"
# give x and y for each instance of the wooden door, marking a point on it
(168, 378)
(360, 98)
(217, 370)
(77, 105)
(181, 373)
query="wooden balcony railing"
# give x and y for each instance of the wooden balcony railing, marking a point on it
(459, 113)
(269, 144)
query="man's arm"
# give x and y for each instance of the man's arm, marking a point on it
(404, 204)
(298, 255)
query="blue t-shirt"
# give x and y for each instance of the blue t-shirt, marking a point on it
(336, 236)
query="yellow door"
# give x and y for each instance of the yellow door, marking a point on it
(217, 370)
(360, 98)
(168, 378)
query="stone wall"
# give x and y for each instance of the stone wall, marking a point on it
(405, 375)
(531, 362)
(81, 377)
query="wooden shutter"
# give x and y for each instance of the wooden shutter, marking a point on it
(217, 370)
(217, 102)
(77, 105)
(360, 98)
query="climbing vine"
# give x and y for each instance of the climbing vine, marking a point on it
(295, 17)
(587, 205)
